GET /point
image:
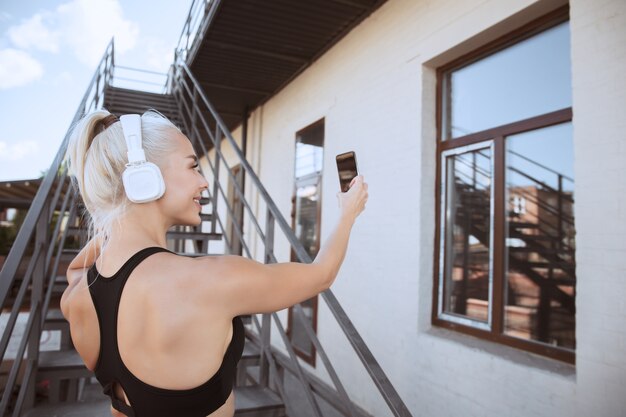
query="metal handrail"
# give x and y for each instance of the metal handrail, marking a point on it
(197, 22)
(36, 225)
(519, 155)
(179, 85)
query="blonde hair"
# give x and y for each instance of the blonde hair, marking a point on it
(97, 158)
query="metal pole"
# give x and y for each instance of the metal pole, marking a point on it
(267, 321)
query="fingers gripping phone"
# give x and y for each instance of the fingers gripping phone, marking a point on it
(346, 165)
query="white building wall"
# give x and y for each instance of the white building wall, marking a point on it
(376, 91)
(599, 95)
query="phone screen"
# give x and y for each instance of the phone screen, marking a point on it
(346, 165)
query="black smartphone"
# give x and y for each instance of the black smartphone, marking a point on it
(346, 165)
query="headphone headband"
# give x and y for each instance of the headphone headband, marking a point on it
(131, 126)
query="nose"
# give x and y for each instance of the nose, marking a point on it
(204, 184)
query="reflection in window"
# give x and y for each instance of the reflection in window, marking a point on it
(308, 190)
(467, 278)
(541, 276)
(527, 79)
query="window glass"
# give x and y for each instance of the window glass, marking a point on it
(307, 206)
(525, 80)
(541, 278)
(467, 280)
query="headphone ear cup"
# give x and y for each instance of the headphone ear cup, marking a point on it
(143, 183)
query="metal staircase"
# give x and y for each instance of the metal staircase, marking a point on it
(32, 278)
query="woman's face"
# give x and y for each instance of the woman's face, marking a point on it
(183, 184)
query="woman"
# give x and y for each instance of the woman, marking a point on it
(160, 331)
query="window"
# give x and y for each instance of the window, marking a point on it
(505, 254)
(306, 220)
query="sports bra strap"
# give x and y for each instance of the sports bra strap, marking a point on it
(130, 264)
(118, 404)
(139, 256)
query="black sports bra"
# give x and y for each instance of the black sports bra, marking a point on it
(147, 400)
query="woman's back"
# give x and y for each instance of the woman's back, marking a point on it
(164, 341)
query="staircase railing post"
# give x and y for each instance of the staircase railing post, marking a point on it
(560, 211)
(97, 91)
(36, 300)
(216, 175)
(266, 323)
(194, 115)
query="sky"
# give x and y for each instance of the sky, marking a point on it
(49, 50)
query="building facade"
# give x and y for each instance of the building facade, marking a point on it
(487, 271)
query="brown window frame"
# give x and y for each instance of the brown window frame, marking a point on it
(497, 136)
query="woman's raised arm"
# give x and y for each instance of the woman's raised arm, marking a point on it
(243, 286)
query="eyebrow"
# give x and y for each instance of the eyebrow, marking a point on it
(195, 158)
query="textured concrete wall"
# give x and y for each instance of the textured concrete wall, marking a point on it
(599, 94)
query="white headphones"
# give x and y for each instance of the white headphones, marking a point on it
(142, 180)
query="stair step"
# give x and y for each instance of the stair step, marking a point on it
(531, 249)
(126, 108)
(250, 356)
(99, 408)
(61, 364)
(140, 99)
(255, 401)
(194, 235)
(76, 231)
(207, 217)
(191, 255)
(119, 91)
(55, 316)
(566, 266)
(526, 236)
(523, 225)
(69, 254)
(134, 95)
(60, 285)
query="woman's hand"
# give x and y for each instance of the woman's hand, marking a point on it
(352, 202)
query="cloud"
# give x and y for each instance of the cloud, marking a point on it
(5, 16)
(18, 68)
(87, 27)
(16, 151)
(159, 55)
(63, 78)
(32, 33)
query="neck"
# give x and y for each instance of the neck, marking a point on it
(140, 226)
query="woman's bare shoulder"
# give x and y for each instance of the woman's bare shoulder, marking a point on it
(178, 276)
